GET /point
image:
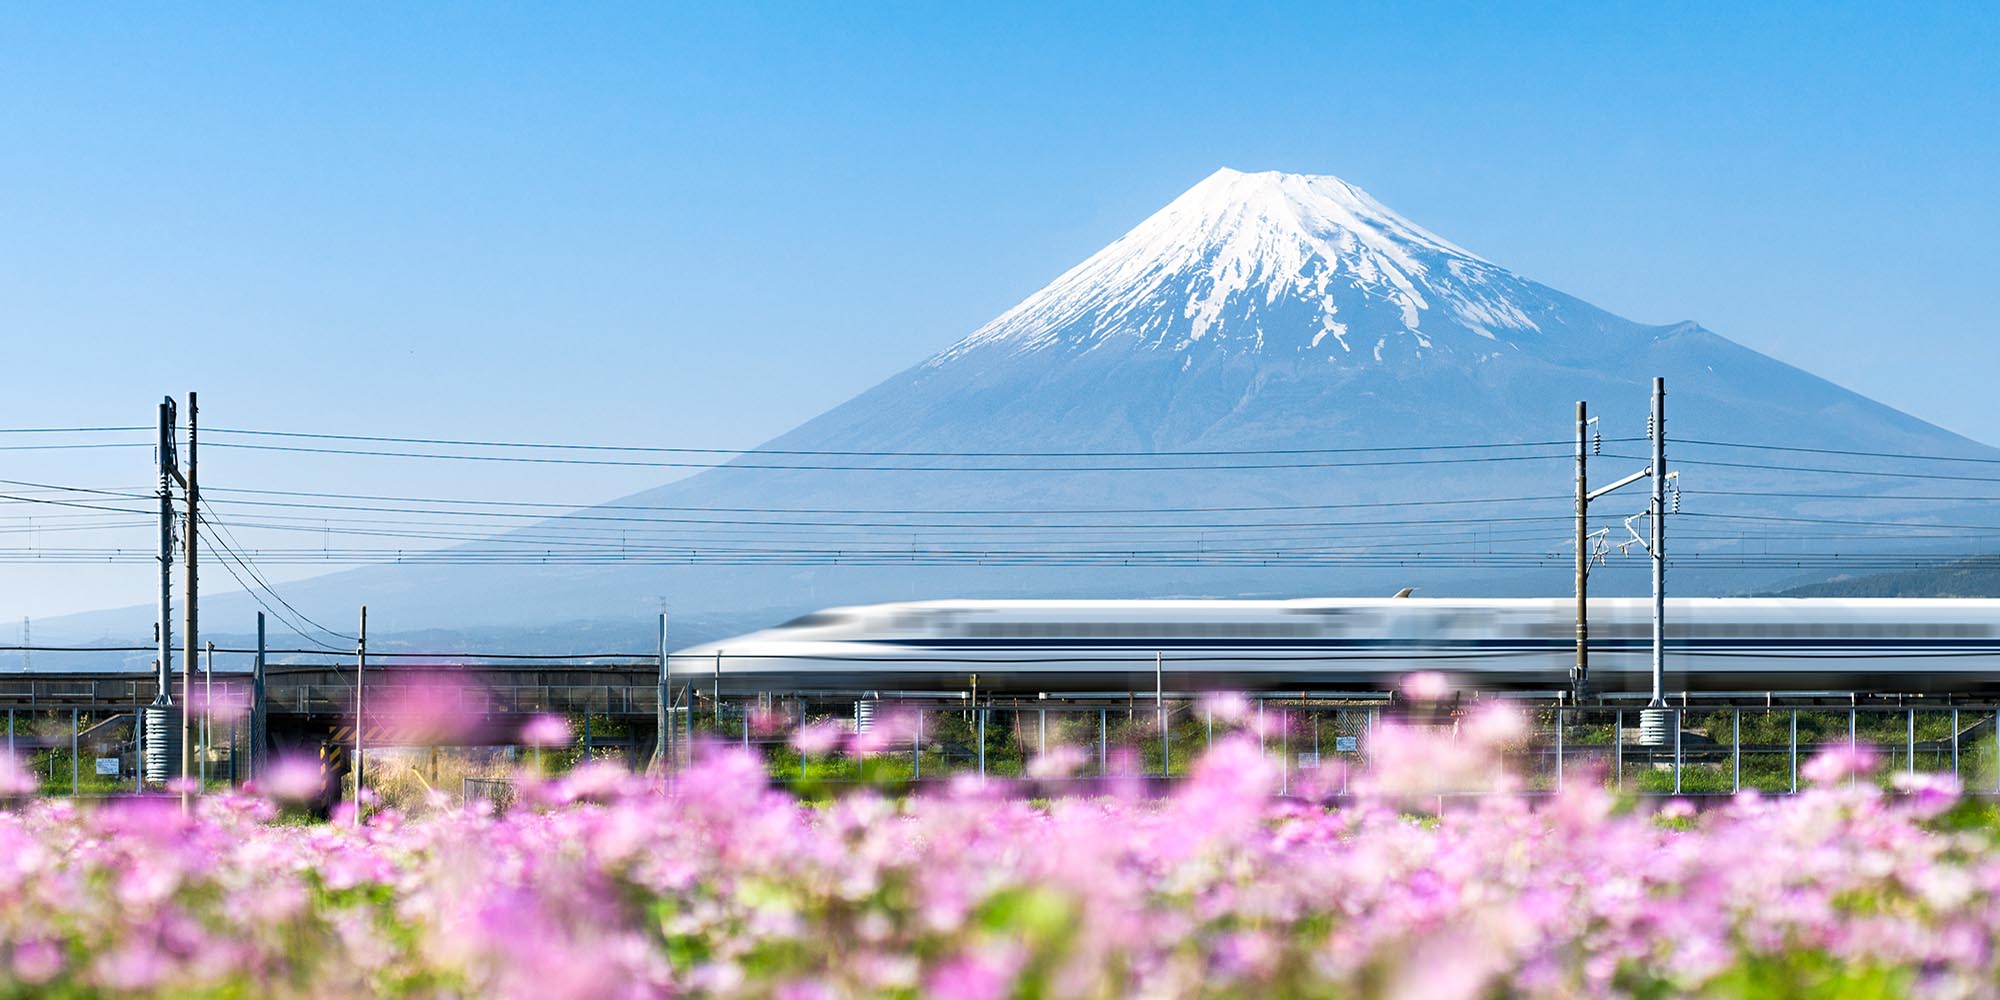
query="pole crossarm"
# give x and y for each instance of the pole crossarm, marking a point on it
(1619, 485)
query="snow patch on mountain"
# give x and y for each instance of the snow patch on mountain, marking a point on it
(1255, 263)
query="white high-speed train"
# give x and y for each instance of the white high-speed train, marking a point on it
(1712, 644)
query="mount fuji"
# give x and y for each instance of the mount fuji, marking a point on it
(1291, 316)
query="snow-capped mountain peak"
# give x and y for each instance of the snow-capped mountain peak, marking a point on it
(1273, 263)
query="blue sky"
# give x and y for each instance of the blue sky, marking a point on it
(702, 224)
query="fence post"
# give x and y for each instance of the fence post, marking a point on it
(75, 765)
(1679, 718)
(982, 743)
(1618, 749)
(1368, 737)
(1954, 742)
(138, 747)
(1910, 740)
(917, 748)
(1853, 739)
(1735, 749)
(1795, 750)
(1284, 751)
(1103, 762)
(1559, 748)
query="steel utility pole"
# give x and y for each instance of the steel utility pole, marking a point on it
(159, 723)
(360, 666)
(207, 708)
(258, 720)
(1657, 548)
(1579, 675)
(663, 746)
(192, 638)
(1655, 545)
(1160, 708)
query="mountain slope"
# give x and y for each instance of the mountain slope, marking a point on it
(1281, 312)
(1977, 577)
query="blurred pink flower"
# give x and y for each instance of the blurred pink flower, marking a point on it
(889, 731)
(429, 707)
(546, 731)
(766, 721)
(818, 738)
(225, 705)
(292, 778)
(1495, 724)
(1840, 762)
(36, 961)
(15, 779)
(1426, 686)
(968, 977)
(1059, 762)
(715, 881)
(1927, 794)
(1227, 707)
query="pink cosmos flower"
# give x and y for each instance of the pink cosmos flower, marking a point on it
(226, 705)
(1496, 724)
(15, 779)
(429, 707)
(968, 977)
(818, 738)
(546, 731)
(36, 961)
(1426, 686)
(1226, 707)
(1840, 762)
(1676, 809)
(1927, 794)
(294, 778)
(1058, 763)
(766, 722)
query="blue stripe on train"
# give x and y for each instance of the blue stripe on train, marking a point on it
(1537, 645)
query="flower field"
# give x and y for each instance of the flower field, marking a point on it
(599, 883)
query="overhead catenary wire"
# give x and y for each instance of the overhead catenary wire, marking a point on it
(209, 518)
(790, 467)
(888, 453)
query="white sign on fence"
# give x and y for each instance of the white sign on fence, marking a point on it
(107, 765)
(1346, 744)
(1308, 760)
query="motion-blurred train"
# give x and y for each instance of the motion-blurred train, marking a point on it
(1073, 647)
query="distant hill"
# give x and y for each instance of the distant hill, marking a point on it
(1978, 577)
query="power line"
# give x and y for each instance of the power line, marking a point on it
(1837, 451)
(67, 430)
(252, 591)
(778, 467)
(1767, 467)
(881, 511)
(73, 446)
(459, 442)
(226, 540)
